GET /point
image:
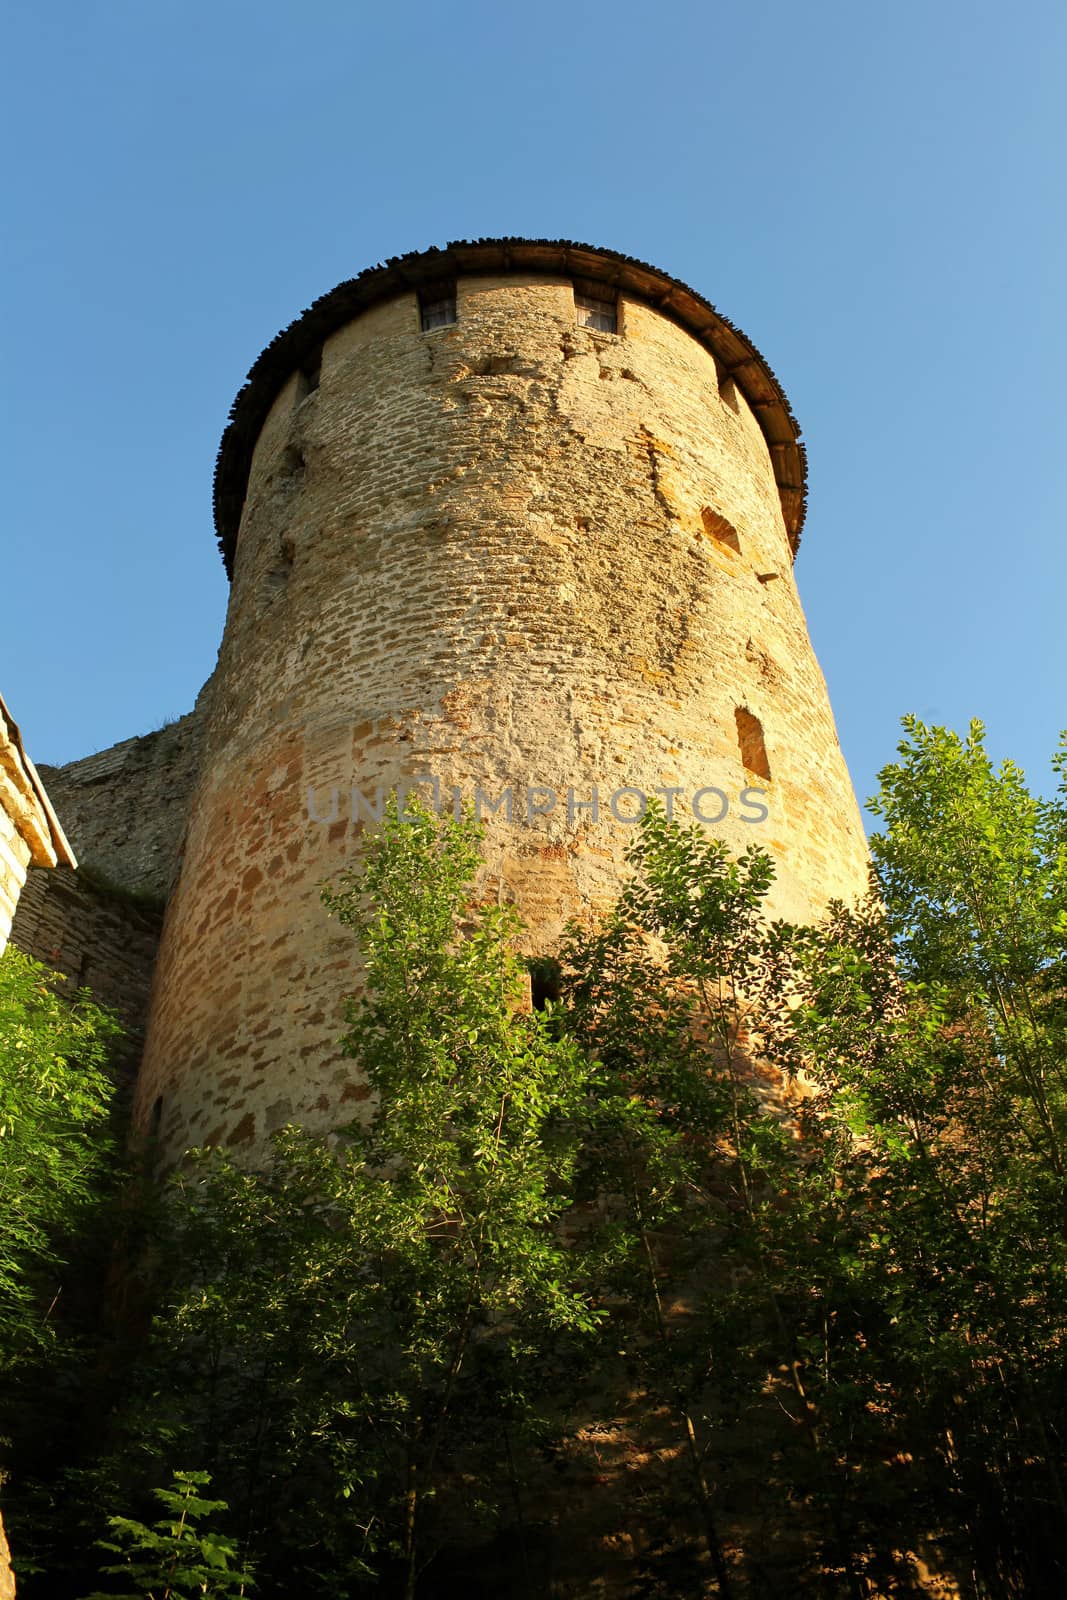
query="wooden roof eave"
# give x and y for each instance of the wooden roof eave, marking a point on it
(736, 355)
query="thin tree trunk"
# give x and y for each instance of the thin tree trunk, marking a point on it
(411, 1505)
(725, 1019)
(520, 1520)
(711, 1534)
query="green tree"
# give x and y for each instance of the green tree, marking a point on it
(175, 1558)
(974, 875)
(973, 871)
(345, 1327)
(932, 1263)
(56, 1092)
(56, 1161)
(851, 1302)
(676, 993)
(901, 1268)
(475, 1135)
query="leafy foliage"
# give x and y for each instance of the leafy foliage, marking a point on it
(55, 1097)
(682, 991)
(922, 1244)
(175, 1559)
(56, 1171)
(786, 1204)
(343, 1328)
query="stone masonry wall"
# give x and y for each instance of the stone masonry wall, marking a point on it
(124, 810)
(510, 552)
(99, 939)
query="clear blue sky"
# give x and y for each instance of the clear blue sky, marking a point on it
(874, 193)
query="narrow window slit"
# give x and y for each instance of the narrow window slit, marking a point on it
(309, 375)
(278, 575)
(544, 981)
(719, 529)
(291, 465)
(727, 387)
(751, 743)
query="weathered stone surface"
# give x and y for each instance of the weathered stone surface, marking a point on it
(124, 809)
(97, 937)
(507, 553)
(99, 926)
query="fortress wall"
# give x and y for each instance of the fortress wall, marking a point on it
(507, 552)
(124, 809)
(96, 938)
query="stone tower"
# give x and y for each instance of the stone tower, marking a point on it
(515, 519)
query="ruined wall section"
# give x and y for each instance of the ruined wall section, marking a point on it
(100, 925)
(507, 552)
(124, 809)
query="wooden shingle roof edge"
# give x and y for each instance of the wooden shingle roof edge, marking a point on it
(734, 352)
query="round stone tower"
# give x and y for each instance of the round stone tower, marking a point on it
(512, 522)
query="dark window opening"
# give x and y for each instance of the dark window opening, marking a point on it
(751, 743)
(309, 375)
(277, 577)
(437, 306)
(717, 527)
(155, 1121)
(291, 465)
(596, 307)
(544, 981)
